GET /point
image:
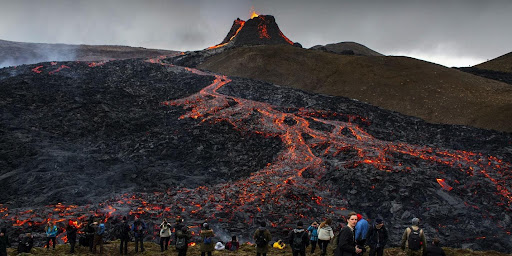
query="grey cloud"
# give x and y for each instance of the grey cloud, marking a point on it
(458, 28)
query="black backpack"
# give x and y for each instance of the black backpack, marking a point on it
(260, 239)
(181, 240)
(414, 239)
(297, 241)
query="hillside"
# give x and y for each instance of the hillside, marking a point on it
(412, 87)
(17, 53)
(347, 48)
(502, 63)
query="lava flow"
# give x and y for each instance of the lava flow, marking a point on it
(292, 185)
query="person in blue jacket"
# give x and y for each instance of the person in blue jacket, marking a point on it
(313, 235)
(139, 228)
(51, 234)
(362, 228)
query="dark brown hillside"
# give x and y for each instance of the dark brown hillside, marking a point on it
(502, 63)
(347, 48)
(406, 85)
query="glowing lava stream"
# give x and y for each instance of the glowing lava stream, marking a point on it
(209, 105)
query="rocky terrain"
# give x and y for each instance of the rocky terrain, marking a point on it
(152, 139)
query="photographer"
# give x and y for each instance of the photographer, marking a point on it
(165, 234)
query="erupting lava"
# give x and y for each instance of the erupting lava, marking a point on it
(259, 29)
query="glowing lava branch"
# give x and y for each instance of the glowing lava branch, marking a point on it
(262, 28)
(285, 38)
(58, 69)
(241, 24)
(37, 69)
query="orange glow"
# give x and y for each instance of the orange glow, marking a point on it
(444, 185)
(36, 69)
(253, 13)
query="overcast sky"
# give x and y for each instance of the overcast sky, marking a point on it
(448, 32)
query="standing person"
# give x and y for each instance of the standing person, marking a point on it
(71, 235)
(98, 237)
(262, 237)
(207, 235)
(165, 234)
(325, 234)
(434, 249)
(123, 233)
(51, 234)
(26, 243)
(182, 239)
(138, 228)
(362, 227)
(4, 242)
(347, 238)
(377, 238)
(89, 232)
(413, 239)
(178, 226)
(313, 234)
(299, 240)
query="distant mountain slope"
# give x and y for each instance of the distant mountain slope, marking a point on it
(502, 63)
(17, 53)
(347, 48)
(406, 85)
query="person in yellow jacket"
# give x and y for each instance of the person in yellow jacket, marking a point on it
(279, 245)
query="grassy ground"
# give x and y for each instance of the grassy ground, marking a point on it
(112, 248)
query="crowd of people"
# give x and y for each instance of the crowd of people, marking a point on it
(354, 239)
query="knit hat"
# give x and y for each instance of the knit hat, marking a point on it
(415, 221)
(379, 221)
(359, 217)
(300, 224)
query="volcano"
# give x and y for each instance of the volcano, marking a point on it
(155, 139)
(259, 30)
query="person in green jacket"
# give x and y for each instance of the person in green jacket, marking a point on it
(262, 237)
(207, 245)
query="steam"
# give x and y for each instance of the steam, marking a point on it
(31, 53)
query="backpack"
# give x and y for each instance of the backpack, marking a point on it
(260, 239)
(181, 240)
(297, 241)
(414, 239)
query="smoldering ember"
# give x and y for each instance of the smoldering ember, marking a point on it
(155, 139)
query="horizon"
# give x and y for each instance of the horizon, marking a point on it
(456, 33)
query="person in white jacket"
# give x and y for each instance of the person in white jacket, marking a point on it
(325, 235)
(165, 234)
